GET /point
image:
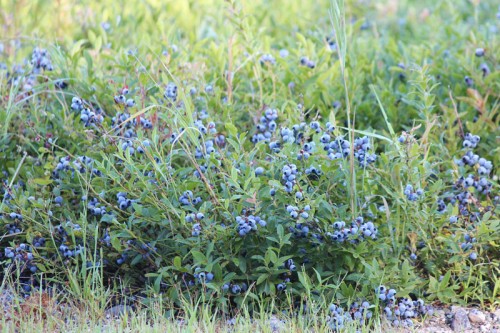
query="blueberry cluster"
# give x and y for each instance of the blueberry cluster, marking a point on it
(40, 60)
(305, 61)
(361, 148)
(21, 254)
(306, 151)
(295, 212)
(290, 265)
(195, 217)
(122, 258)
(441, 206)
(141, 148)
(338, 318)
(128, 146)
(484, 167)
(15, 216)
(281, 286)
(121, 98)
(313, 173)
(80, 164)
(95, 207)
(187, 199)
(171, 92)
(366, 229)
(411, 194)
(202, 277)
(400, 311)
(209, 149)
(203, 169)
(287, 135)
(358, 313)
(314, 125)
(63, 165)
(196, 230)
(266, 126)
(471, 141)
(123, 201)
(88, 116)
(192, 217)
(338, 148)
(356, 232)
(463, 193)
(247, 224)
(300, 230)
(468, 243)
(209, 89)
(68, 252)
(209, 128)
(121, 117)
(124, 116)
(106, 238)
(289, 175)
(235, 288)
(39, 242)
(482, 185)
(267, 59)
(72, 226)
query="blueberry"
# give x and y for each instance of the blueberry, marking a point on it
(236, 289)
(479, 52)
(469, 81)
(473, 256)
(485, 69)
(284, 53)
(259, 171)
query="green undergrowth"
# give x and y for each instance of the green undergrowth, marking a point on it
(251, 155)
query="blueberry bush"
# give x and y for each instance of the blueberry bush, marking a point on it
(244, 155)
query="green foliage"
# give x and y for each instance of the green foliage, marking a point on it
(385, 77)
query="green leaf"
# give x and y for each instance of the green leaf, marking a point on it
(231, 129)
(262, 278)
(199, 257)
(177, 262)
(243, 265)
(42, 181)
